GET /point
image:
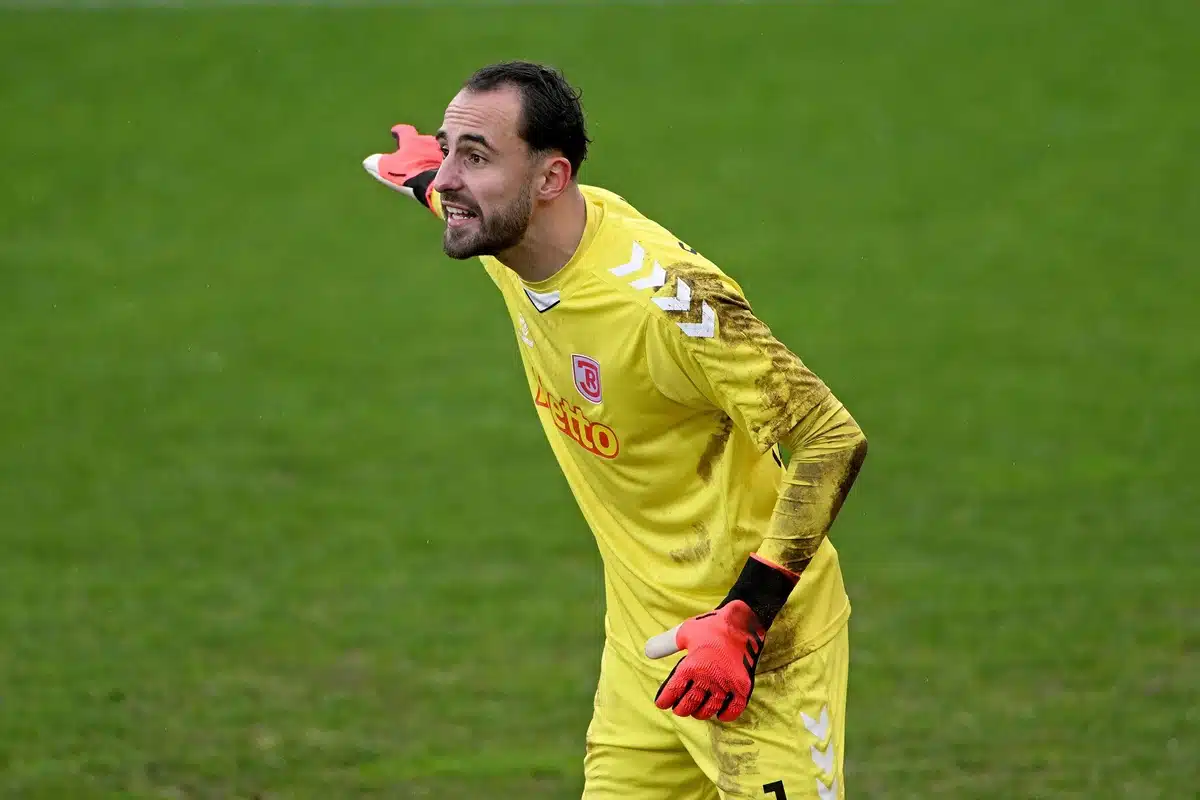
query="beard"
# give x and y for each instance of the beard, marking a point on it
(493, 232)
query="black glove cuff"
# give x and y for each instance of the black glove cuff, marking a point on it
(420, 185)
(762, 587)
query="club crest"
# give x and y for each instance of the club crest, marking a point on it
(587, 377)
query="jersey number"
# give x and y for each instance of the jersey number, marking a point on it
(776, 789)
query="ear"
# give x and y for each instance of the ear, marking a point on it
(555, 178)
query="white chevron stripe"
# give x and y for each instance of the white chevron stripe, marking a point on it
(652, 281)
(819, 729)
(682, 300)
(634, 263)
(824, 758)
(706, 328)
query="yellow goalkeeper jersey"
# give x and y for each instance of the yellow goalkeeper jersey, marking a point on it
(663, 398)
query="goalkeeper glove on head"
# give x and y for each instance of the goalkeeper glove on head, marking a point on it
(412, 167)
(716, 677)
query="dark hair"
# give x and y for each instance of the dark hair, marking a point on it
(551, 114)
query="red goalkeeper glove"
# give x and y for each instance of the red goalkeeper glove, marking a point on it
(716, 677)
(412, 167)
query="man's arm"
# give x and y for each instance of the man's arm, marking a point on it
(827, 450)
(716, 678)
(741, 368)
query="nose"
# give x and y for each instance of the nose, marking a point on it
(447, 178)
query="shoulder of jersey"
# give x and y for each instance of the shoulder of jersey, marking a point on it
(644, 263)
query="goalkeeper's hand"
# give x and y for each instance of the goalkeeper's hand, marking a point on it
(716, 677)
(412, 167)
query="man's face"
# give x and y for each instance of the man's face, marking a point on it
(485, 179)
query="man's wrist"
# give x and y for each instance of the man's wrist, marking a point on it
(764, 586)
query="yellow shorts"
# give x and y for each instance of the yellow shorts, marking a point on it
(788, 744)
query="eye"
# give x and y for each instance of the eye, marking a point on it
(445, 151)
(476, 159)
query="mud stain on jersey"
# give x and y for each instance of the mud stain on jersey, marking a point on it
(857, 457)
(813, 494)
(698, 550)
(735, 755)
(788, 388)
(781, 640)
(715, 449)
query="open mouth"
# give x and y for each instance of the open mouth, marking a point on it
(457, 215)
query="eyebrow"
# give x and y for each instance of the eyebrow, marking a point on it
(468, 137)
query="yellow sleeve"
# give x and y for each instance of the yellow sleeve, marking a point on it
(737, 365)
(717, 353)
(827, 451)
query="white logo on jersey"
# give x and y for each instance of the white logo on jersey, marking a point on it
(706, 328)
(525, 331)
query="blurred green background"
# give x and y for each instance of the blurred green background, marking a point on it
(276, 516)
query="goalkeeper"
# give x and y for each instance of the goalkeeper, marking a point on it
(666, 402)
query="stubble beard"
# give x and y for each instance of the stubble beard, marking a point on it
(494, 233)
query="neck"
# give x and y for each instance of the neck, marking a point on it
(551, 240)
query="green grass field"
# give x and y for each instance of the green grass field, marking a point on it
(276, 516)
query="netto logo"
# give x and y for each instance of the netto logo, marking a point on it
(594, 437)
